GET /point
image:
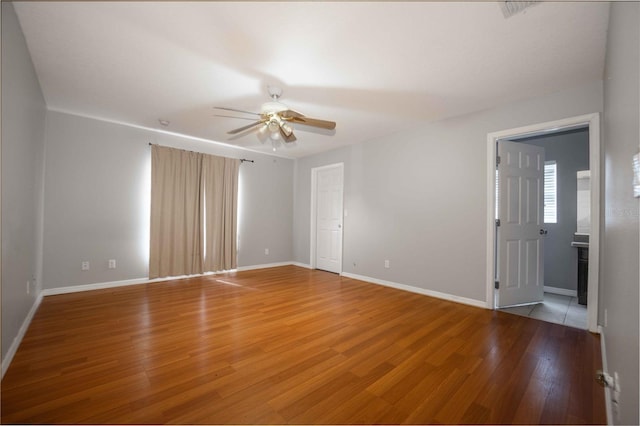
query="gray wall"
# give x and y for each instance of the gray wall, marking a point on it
(570, 151)
(419, 197)
(620, 275)
(97, 200)
(23, 123)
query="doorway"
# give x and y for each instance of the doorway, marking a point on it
(327, 188)
(564, 242)
(592, 123)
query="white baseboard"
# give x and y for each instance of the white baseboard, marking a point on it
(263, 266)
(561, 291)
(302, 265)
(412, 289)
(136, 281)
(18, 339)
(605, 368)
(95, 286)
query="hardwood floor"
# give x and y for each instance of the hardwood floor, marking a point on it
(290, 345)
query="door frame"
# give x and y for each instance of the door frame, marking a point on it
(314, 213)
(592, 122)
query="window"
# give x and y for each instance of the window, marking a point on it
(193, 226)
(550, 192)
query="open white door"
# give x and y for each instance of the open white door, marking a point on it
(329, 200)
(520, 266)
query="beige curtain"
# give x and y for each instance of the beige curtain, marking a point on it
(194, 200)
(176, 209)
(220, 189)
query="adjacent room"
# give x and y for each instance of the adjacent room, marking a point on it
(320, 212)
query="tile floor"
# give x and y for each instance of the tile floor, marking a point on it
(555, 308)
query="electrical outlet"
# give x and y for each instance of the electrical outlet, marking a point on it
(85, 265)
(387, 264)
(266, 251)
(112, 264)
(28, 287)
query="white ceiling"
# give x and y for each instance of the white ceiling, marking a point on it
(374, 68)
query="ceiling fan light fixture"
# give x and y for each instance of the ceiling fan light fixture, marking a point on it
(273, 125)
(286, 129)
(275, 136)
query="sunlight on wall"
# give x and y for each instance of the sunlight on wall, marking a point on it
(144, 209)
(240, 211)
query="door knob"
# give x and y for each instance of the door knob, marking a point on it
(543, 232)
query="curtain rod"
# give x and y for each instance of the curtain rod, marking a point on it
(242, 160)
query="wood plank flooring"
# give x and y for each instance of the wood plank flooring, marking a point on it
(290, 345)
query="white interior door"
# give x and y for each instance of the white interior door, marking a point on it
(520, 266)
(329, 190)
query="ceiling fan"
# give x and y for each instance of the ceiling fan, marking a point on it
(277, 118)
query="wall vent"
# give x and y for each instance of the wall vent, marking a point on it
(513, 7)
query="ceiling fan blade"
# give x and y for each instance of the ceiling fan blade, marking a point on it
(231, 116)
(314, 122)
(238, 110)
(247, 127)
(290, 138)
(289, 113)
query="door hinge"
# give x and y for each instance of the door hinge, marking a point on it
(497, 222)
(497, 160)
(496, 284)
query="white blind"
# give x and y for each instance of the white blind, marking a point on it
(550, 192)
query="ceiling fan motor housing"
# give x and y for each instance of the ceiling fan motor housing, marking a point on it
(273, 107)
